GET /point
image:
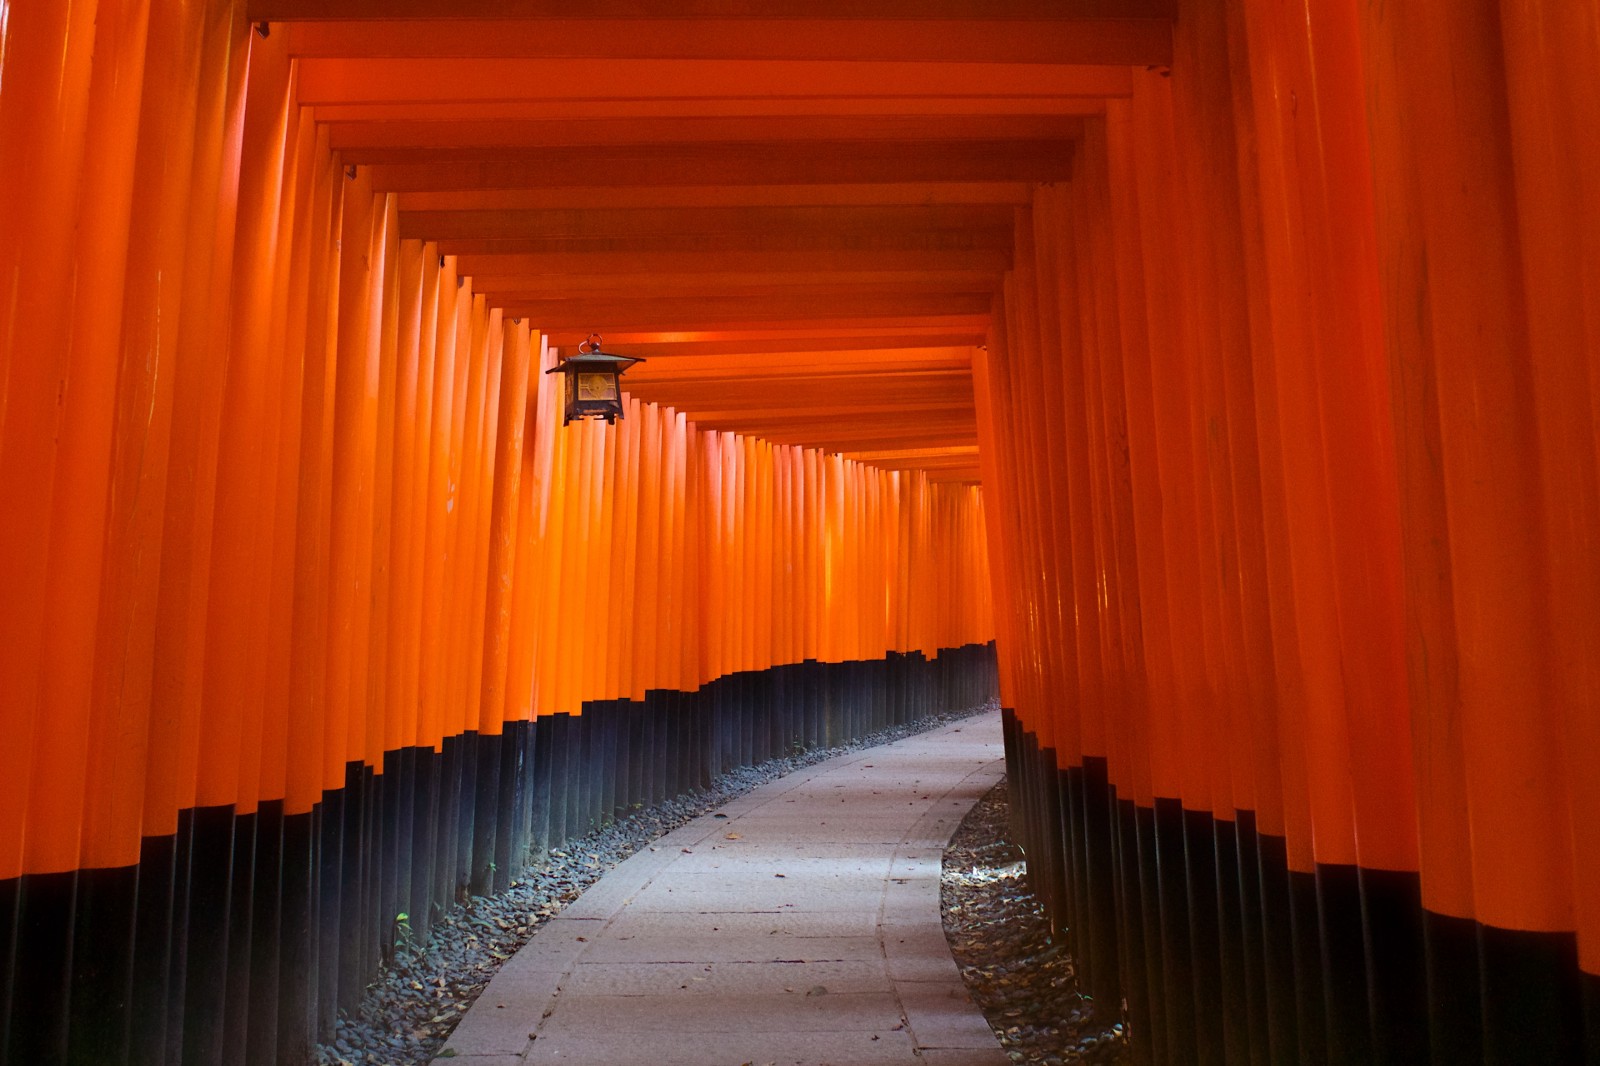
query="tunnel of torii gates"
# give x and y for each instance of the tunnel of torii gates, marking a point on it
(1228, 366)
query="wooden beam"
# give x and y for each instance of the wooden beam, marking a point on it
(677, 365)
(819, 390)
(475, 80)
(887, 418)
(852, 344)
(707, 249)
(797, 389)
(533, 257)
(802, 400)
(574, 331)
(501, 110)
(978, 10)
(820, 163)
(840, 431)
(378, 142)
(802, 365)
(644, 225)
(889, 455)
(840, 439)
(575, 197)
(565, 286)
(1098, 41)
(848, 338)
(622, 313)
(756, 299)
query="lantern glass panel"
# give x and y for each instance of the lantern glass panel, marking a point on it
(602, 387)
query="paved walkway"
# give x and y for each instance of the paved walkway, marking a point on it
(797, 926)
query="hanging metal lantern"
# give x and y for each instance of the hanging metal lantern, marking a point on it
(593, 386)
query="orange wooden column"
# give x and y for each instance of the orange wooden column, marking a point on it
(432, 665)
(527, 579)
(308, 622)
(75, 483)
(380, 713)
(413, 418)
(45, 119)
(93, 437)
(1488, 392)
(1551, 106)
(504, 526)
(290, 334)
(233, 704)
(197, 385)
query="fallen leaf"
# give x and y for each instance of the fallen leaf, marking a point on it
(733, 836)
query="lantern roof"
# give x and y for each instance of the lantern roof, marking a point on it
(593, 362)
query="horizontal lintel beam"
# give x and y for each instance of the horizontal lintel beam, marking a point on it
(530, 258)
(1095, 41)
(820, 163)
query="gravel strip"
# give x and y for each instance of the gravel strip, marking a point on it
(413, 1005)
(1023, 982)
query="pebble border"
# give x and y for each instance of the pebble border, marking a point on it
(411, 1008)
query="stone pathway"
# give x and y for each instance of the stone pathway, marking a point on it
(797, 926)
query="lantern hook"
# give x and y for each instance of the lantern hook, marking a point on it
(590, 345)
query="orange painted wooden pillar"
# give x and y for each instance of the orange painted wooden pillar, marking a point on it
(355, 414)
(66, 811)
(414, 345)
(1475, 239)
(45, 119)
(61, 739)
(124, 670)
(291, 326)
(523, 595)
(1554, 161)
(308, 653)
(432, 662)
(233, 704)
(504, 529)
(381, 712)
(182, 513)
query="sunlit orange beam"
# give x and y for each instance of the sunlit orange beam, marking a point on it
(356, 139)
(344, 81)
(547, 286)
(824, 346)
(648, 107)
(570, 196)
(1125, 41)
